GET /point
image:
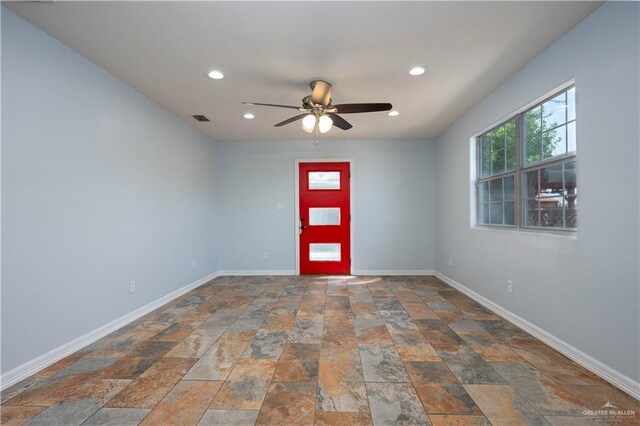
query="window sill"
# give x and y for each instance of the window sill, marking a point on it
(568, 235)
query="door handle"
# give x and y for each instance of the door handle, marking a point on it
(302, 225)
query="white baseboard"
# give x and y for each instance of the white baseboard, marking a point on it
(619, 380)
(43, 361)
(251, 272)
(394, 272)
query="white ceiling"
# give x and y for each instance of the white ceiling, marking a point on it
(269, 51)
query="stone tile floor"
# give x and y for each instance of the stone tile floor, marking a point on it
(316, 350)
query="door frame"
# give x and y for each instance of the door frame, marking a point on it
(296, 223)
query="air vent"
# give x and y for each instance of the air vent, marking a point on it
(200, 117)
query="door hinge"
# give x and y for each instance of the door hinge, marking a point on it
(349, 174)
(349, 262)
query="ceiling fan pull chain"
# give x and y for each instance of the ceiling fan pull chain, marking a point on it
(317, 140)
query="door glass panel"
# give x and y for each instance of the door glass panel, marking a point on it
(324, 180)
(324, 252)
(324, 216)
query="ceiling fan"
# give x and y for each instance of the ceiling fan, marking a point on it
(320, 114)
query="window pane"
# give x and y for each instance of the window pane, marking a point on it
(486, 157)
(571, 137)
(484, 214)
(509, 215)
(532, 212)
(552, 202)
(324, 216)
(555, 142)
(324, 252)
(551, 216)
(488, 147)
(510, 138)
(571, 104)
(554, 112)
(508, 187)
(484, 192)
(497, 152)
(571, 190)
(496, 213)
(496, 189)
(551, 196)
(534, 116)
(532, 136)
(530, 184)
(551, 187)
(324, 180)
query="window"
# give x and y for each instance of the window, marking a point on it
(526, 168)
(323, 252)
(324, 180)
(324, 216)
(497, 149)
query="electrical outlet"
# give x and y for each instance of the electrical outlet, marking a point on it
(193, 264)
(279, 205)
(265, 256)
(510, 287)
(132, 287)
(451, 262)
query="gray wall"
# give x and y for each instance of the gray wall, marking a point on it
(584, 290)
(100, 186)
(393, 202)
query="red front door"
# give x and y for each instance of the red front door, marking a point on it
(325, 218)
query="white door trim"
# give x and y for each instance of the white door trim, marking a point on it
(296, 224)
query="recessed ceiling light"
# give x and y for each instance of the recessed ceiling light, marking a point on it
(249, 116)
(216, 75)
(393, 113)
(417, 70)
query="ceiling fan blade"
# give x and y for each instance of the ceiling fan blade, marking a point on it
(355, 108)
(290, 120)
(321, 92)
(340, 122)
(275, 105)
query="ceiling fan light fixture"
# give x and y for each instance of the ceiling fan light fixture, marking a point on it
(309, 123)
(324, 123)
(393, 113)
(417, 70)
(216, 75)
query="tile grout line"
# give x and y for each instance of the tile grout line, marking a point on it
(280, 356)
(449, 368)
